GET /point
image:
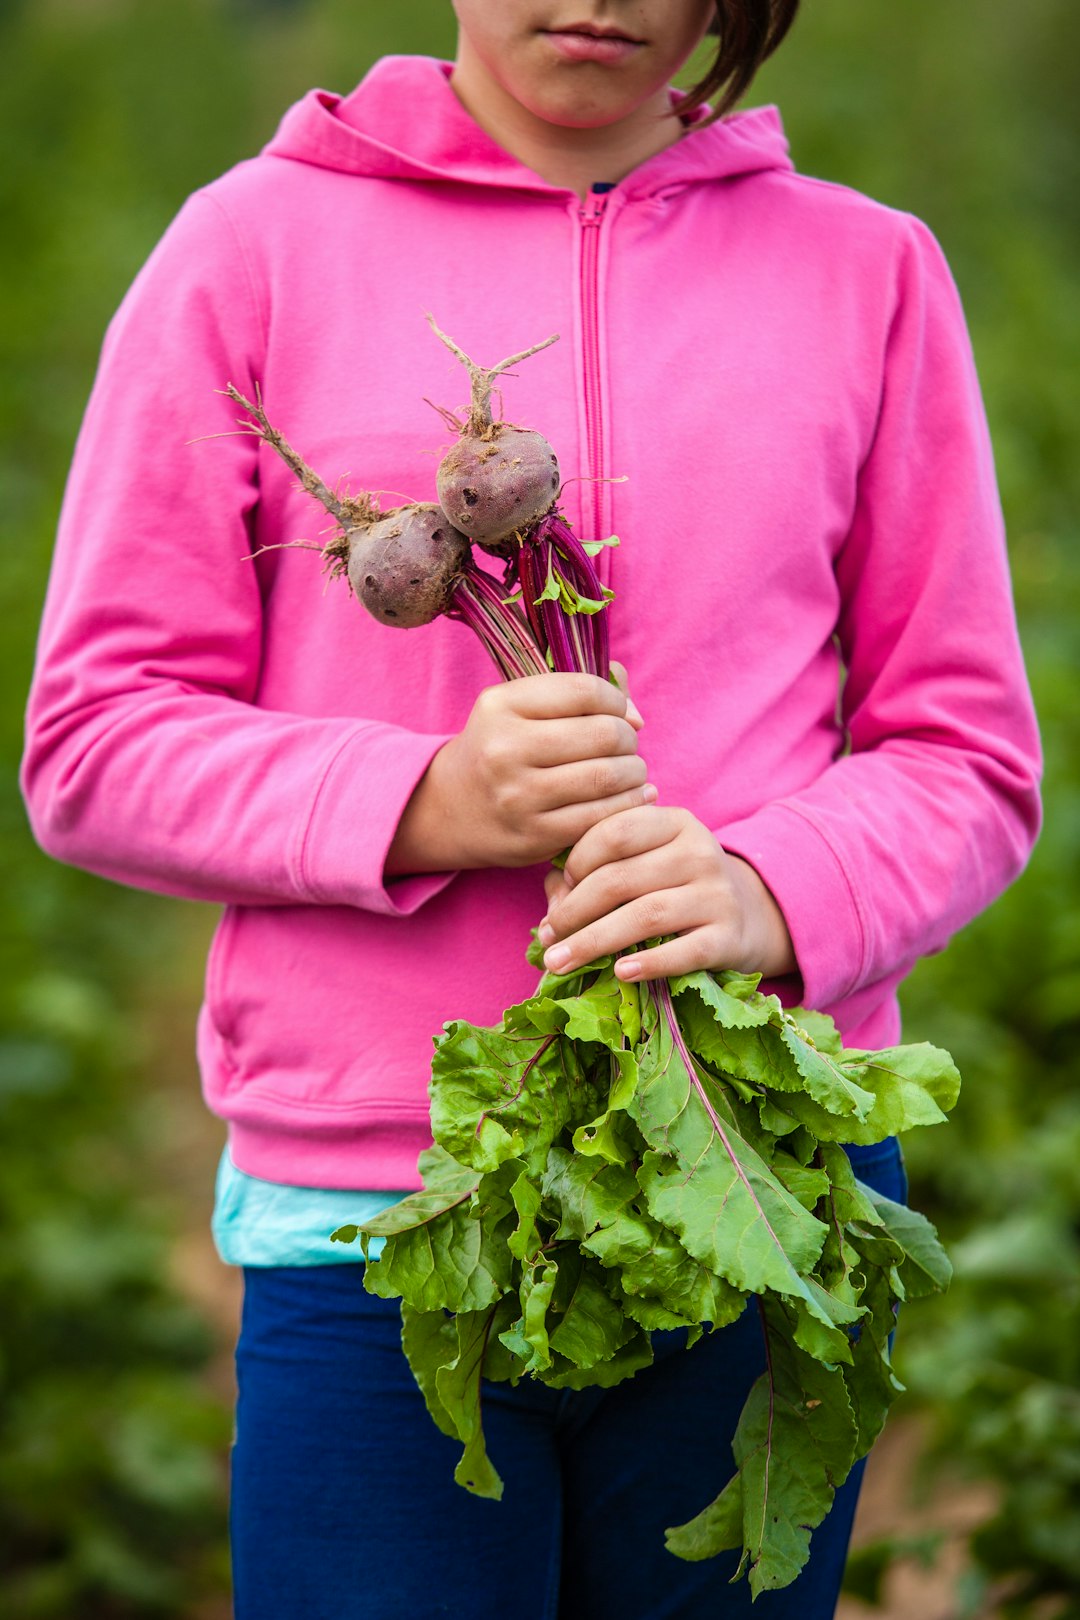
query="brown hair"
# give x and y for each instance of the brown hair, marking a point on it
(749, 30)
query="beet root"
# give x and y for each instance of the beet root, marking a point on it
(404, 566)
(493, 488)
(498, 479)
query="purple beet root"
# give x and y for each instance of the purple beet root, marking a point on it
(498, 479)
(405, 566)
(493, 488)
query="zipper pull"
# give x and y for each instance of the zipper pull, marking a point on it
(592, 209)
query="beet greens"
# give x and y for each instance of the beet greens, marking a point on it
(614, 1159)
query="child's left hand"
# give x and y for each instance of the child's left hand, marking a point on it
(659, 870)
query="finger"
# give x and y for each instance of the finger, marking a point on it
(669, 911)
(633, 713)
(551, 697)
(561, 828)
(587, 781)
(621, 837)
(573, 907)
(555, 886)
(694, 951)
(580, 737)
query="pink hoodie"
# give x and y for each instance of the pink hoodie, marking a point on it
(781, 369)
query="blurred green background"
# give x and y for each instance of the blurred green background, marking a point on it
(114, 1325)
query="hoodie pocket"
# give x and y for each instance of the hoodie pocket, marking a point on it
(219, 959)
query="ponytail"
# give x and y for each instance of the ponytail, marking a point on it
(749, 31)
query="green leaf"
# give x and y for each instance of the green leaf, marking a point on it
(650, 1314)
(840, 1266)
(572, 602)
(912, 1085)
(550, 592)
(795, 1443)
(872, 1385)
(562, 986)
(820, 1029)
(825, 1077)
(755, 1054)
(629, 1359)
(733, 998)
(452, 1262)
(587, 1193)
(601, 1173)
(717, 1528)
(590, 1326)
(606, 1137)
(429, 1340)
(446, 1183)
(850, 1199)
(497, 1096)
(630, 1011)
(822, 1330)
(668, 1278)
(804, 1182)
(594, 1015)
(499, 1365)
(457, 1386)
(710, 1186)
(438, 1254)
(526, 1198)
(527, 1338)
(925, 1268)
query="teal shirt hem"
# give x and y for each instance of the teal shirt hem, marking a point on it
(264, 1223)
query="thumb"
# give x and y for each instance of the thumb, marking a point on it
(633, 713)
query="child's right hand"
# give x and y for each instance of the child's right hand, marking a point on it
(538, 762)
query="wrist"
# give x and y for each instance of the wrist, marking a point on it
(769, 948)
(428, 837)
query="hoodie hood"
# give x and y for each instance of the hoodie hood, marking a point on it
(425, 134)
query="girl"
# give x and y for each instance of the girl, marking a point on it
(780, 367)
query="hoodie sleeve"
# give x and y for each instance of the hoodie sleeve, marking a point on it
(933, 807)
(148, 759)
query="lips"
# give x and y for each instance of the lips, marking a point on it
(597, 31)
(593, 42)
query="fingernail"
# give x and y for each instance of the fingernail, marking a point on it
(633, 713)
(556, 959)
(649, 793)
(546, 932)
(567, 879)
(628, 967)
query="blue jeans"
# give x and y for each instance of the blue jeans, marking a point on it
(344, 1504)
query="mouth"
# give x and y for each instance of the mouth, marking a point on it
(597, 31)
(603, 43)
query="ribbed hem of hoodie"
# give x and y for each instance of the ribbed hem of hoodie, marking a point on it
(804, 874)
(356, 812)
(373, 1152)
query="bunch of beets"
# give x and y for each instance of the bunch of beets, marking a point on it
(618, 1159)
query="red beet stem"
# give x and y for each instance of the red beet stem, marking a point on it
(578, 641)
(479, 603)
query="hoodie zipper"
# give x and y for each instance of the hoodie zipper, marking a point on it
(591, 215)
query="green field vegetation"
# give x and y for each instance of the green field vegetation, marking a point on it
(111, 1442)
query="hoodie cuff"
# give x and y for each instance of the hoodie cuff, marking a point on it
(353, 819)
(808, 881)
